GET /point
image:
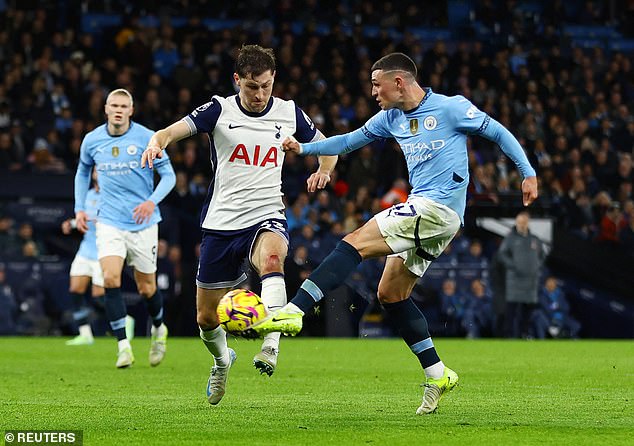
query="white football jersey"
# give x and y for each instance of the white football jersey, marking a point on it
(246, 158)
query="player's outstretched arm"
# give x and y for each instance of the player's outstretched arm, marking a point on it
(319, 179)
(161, 139)
(496, 132)
(334, 145)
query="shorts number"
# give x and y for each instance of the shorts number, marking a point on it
(402, 210)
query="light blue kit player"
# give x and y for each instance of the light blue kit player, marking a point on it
(432, 131)
(128, 217)
(85, 269)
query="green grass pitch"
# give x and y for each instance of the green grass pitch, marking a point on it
(325, 392)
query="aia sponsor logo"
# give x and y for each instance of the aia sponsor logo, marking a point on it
(254, 157)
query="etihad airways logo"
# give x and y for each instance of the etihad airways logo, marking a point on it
(421, 151)
(117, 167)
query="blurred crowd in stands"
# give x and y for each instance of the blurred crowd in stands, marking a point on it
(570, 107)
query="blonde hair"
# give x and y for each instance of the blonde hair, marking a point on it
(121, 92)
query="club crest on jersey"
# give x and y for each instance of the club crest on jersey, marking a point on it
(132, 150)
(254, 157)
(115, 151)
(430, 123)
(413, 126)
(279, 131)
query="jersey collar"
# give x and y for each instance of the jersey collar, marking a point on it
(428, 93)
(116, 136)
(254, 114)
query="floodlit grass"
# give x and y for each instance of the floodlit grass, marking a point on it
(325, 392)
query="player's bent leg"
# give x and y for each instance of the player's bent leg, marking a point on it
(267, 256)
(406, 318)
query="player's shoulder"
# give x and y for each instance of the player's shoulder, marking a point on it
(283, 106)
(140, 129)
(455, 100)
(97, 132)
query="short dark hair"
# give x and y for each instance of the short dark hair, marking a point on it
(396, 61)
(254, 60)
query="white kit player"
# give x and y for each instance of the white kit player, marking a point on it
(243, 215)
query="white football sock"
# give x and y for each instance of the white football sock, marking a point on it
(435, 371)
(85, 331)
(123, 344)
(216, 342)
(274, 297)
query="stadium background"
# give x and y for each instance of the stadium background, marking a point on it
(558, 74)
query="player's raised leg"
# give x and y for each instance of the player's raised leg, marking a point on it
(366, 241)
(115, 307)
(215, 339)
(406, 319)
(269, 251)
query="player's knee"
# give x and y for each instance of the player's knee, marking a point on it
(387, 295)
(147, 290)
(206, 320)
(77, 289)
(272, 263)
(111, 280)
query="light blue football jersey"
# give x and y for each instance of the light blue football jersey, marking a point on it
(123, 184)
(88, 246)
(433, 138)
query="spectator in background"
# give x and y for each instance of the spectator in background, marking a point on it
(522, 255)
(8, 306)
(553, 315)
(478, 313)
(9, 243)
(26, 236)
(452, 306)
(612, 223)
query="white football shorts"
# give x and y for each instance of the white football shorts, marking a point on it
(138, 248)
(418, 231)
(82, 266)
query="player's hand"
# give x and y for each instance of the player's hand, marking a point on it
(66, 227)
(529, 190)
(291, 145)
(317, 180)
(143, 212)
(151, 152)
(81, 220)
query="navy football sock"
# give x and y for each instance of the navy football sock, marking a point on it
(80, 315)
(409, 322)
(155, 308)
(331, 273)
(115, 312)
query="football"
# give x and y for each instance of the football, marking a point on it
(239, 309)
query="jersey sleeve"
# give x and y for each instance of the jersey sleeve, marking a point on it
(466, 117)
(204, 117)
(82, 176)
(377, 127)
(305, 127)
